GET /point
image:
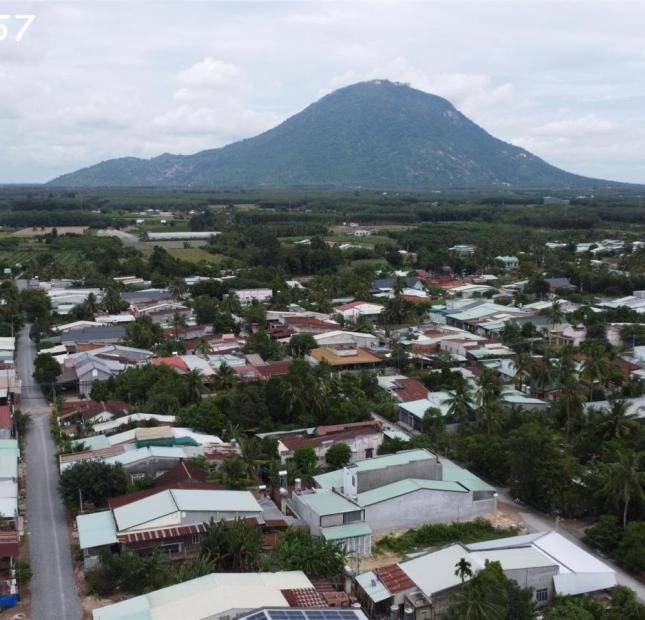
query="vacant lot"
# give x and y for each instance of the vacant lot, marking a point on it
(45, 230)
(195, 255)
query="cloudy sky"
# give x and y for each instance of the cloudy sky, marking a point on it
(95, 79)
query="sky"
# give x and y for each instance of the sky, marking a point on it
(96, 79)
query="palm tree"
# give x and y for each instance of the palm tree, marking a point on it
(225, 378)
(463, 569)
(91, 304)
(460, 402)
(596, 367)
(178, 320)
(490, 388)
(178, 288)
(542, 373)
(624, 481)
(523, 368)
(571, 401)
(203, 347)
(195, 384)
(615, 422)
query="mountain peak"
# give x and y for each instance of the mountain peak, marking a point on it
(376, 133)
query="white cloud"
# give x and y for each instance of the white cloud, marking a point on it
(211, 73)
(590, 124)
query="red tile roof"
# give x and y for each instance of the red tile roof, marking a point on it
(281, 367)
(350, 306)
(5, 417)
(394, 579)
(90, 408)
(291, 442)
(173, 361)
(8, 544)
(182, 472)
(409, 390)
(304, 597)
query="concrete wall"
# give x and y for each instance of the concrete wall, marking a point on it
(535, 578)
(427, 469)
(425, 506)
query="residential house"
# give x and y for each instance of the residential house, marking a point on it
(249, 295)
(363, 439)
(391, 492)
(172, 520)
(357, 309)
(546, 562)
(509, 262)
(242, 596)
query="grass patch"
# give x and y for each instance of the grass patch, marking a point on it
(433, 535)
(196, 255)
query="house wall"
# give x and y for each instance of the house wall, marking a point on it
(427, 469)
(536, 578)
(426, 506)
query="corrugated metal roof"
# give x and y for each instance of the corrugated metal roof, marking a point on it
(373, 587)
(207, 596)
(517, 558)
(145, 510)
(96, 529)
(403, 487)
(352, 530)
(434, 572)
(326, 502)
(216, 500)
(335, 478)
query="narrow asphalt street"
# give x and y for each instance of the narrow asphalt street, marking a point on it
(54, 593)
(538, 522)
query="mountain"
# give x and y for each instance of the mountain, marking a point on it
(373, 134)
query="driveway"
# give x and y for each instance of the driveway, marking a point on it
(53, 588)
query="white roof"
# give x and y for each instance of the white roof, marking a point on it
(434, 572)
(96, 529)
(516, 558)
(172, 501)
(208, 596)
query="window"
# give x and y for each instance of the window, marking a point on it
(350, 517)
(369, 453)
(542, 595)
(136, 477)
(195, 539)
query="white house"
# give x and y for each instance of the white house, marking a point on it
(355, 309)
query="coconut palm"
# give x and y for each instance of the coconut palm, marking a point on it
(523, 368)
(596, 368)
(203, 347)
(463, 569)
(178, 289)
(178, 321)
(195, 383)
(615, 422)
(571, 401)
(225, 378)
(542, 374)
(460, 402)
(624, 481)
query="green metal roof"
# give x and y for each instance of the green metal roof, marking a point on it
(8, 465)
(97, 442)
(335, 478)
(453, 472)
(96, 529)
(352, 530)
(403, 487)
(326, 502)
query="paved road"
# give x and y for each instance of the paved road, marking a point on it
(538, 522)
(53, 588)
